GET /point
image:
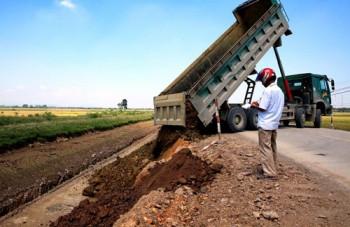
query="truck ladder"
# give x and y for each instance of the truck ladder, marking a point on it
(250, 90)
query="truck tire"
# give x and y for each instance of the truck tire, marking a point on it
(252, 119)
(300, 118)
(318, 119)
(286, 123)
(236, 119)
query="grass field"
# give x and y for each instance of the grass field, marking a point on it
(22, 126)
(341, 121)
(25, 112)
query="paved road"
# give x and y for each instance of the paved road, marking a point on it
(323, 150)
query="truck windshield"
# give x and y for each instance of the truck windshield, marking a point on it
(323, 85)
(296, 84)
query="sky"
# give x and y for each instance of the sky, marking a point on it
(95, 53)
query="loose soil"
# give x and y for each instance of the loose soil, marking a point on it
(185, 179)
(32, 171)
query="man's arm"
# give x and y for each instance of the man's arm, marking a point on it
(255, 105)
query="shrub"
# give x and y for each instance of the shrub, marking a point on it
(94, 115)
(48, 116)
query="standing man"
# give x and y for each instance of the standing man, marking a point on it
(270, 110)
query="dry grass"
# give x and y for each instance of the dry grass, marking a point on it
(55, 111)
(341, 121)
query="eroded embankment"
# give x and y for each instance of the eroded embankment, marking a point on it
(116, 188)
(27, 173)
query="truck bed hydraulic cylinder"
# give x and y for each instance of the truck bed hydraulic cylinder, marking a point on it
(285, 81)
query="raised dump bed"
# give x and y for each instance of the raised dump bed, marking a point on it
(221, 69)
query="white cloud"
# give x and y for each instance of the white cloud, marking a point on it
(67, 3)
(43, 87)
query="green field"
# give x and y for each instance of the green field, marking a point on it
(22, 126)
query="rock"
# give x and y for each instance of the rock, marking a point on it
(240, 177)
(248, 173)
(270, 215)
(188, 190)
(157, 206)
(268, 196)
(192, 177)
(145, 161)
(182, 207)
(144, 172)
(148, 220)
(171, 222)
(89, 191)
(210, 220)
(256, 214)
(184, 191)
(182, 180)
(259, 205)
(216, 167)
(204, 189)
(257, 200)
(268, 187)
(224, 200)
(180, 191)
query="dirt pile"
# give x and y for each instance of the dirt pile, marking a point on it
(140, 190)
(234, 197)
(119, 196)
(168, 135)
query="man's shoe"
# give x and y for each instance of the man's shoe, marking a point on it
(266, 177)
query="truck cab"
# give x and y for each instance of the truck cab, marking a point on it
(309, 89)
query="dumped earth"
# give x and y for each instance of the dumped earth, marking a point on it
(196, 181)
(116, 188)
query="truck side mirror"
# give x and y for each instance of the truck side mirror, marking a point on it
(332, 84)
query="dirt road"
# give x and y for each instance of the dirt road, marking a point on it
(62, 200)
(27, 173)
(234, 196)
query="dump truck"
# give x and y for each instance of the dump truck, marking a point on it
(194, 96)
(310, 98)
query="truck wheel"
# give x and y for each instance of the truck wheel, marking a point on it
(286, 123)
(300, 118)
(236, 119)
(252, 119)
(318, 119)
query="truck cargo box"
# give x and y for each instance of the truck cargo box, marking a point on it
(220, 70)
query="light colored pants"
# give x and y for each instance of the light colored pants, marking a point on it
(268, 151)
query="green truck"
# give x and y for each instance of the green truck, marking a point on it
(193, 97)
(311, 98)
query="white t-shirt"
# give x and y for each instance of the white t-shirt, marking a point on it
(272, 101)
